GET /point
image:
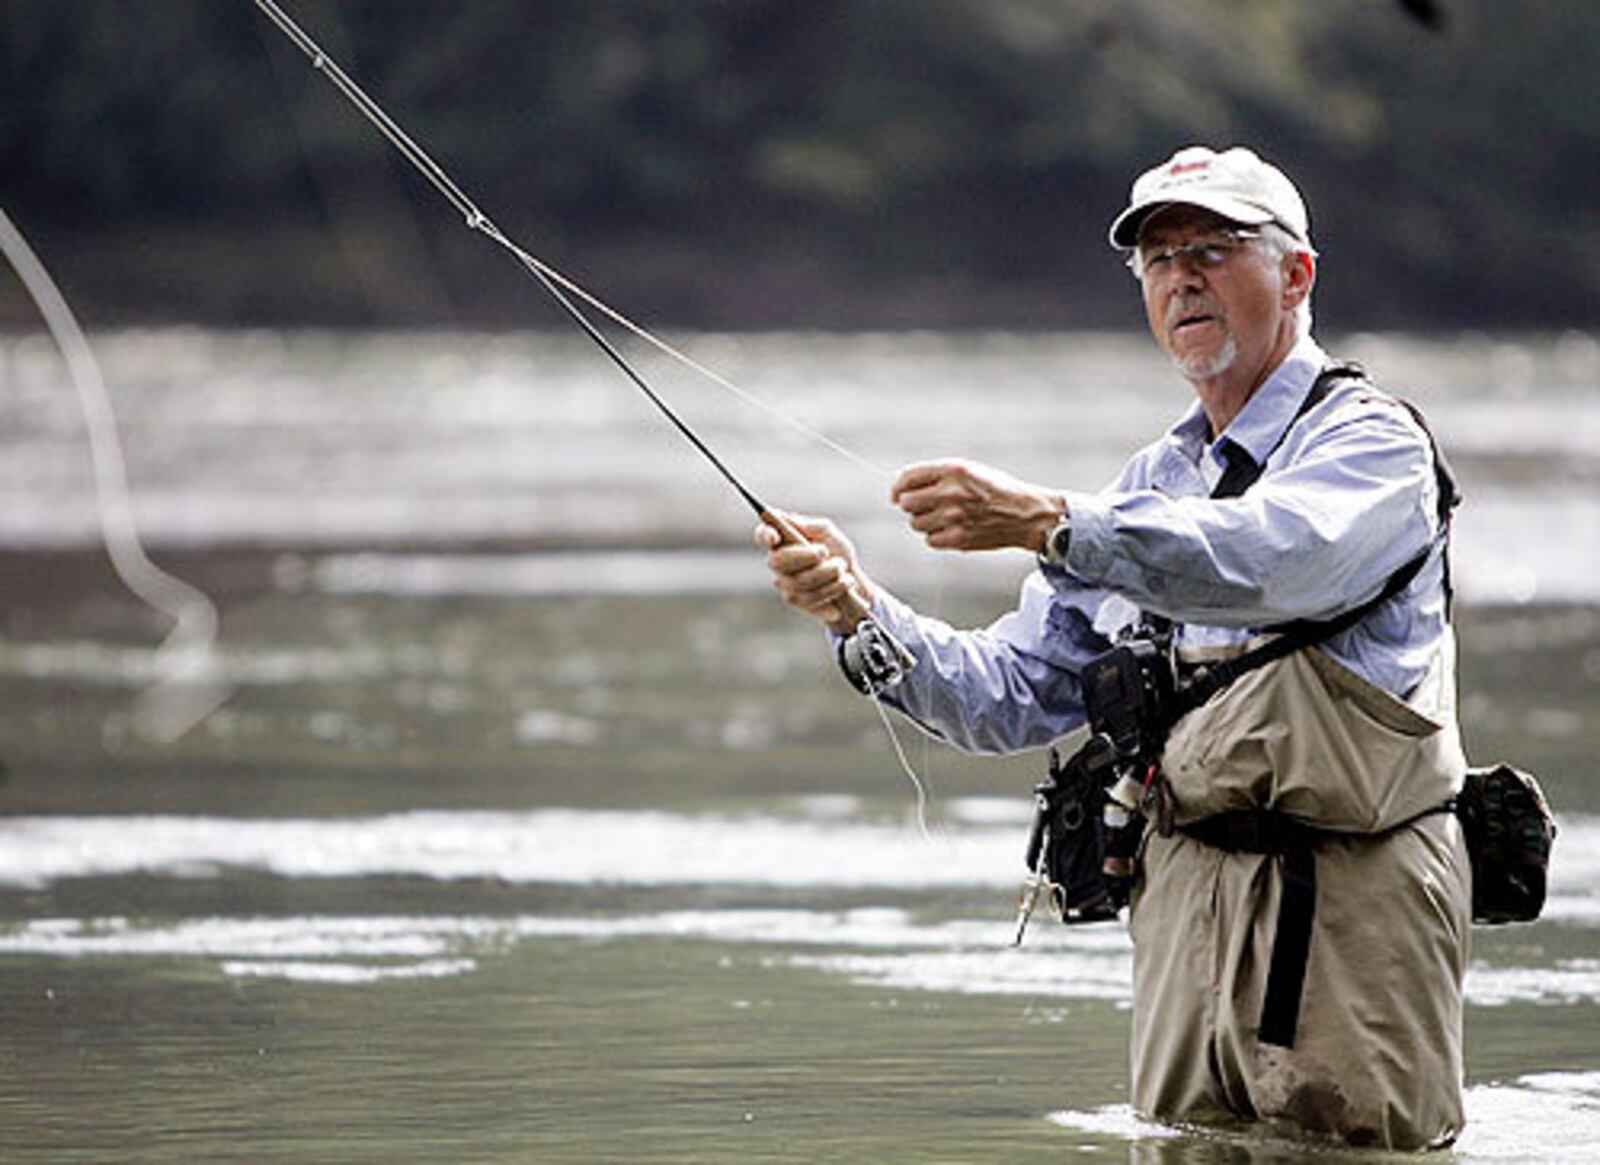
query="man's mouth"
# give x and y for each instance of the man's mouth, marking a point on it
(1191, 320)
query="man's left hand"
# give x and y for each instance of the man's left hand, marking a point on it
(964, 505)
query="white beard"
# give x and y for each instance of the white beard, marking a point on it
(1195, 368)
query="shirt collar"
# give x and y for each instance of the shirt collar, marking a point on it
(1261, 424)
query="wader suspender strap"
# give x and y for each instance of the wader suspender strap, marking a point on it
(1241, 474)
(1264, 830)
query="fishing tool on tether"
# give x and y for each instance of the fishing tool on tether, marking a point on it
(186, 687)
(889, 658)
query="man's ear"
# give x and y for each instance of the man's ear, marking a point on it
(1300, 275)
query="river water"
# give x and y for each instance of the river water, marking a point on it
(533, 828)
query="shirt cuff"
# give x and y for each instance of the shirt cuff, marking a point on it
(1089, 553)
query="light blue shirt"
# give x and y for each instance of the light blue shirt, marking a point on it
(1347, 497)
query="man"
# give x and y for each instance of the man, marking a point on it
(1283, 494)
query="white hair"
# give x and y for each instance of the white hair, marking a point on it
(1280, 244)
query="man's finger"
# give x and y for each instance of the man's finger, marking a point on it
(792, 558)
(918, 501)
(920, 476)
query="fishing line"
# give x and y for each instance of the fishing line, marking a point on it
(564, 291)
(917, 782)
(186, 689)
(555, 284)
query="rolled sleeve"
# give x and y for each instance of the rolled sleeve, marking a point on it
(1092, 548)
(1348, 496)
(1004, 688)
(1349, 502)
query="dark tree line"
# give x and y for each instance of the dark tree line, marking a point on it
(790, 162)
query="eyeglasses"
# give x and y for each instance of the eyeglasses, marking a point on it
(1206, 253)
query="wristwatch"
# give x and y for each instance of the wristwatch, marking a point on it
(1057, 542)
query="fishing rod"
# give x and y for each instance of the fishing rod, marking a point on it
(851, 608)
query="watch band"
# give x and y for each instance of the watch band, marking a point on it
(1057, 542)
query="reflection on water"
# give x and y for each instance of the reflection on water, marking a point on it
(536, 830)
(892, 954)
(882, 946)
(333, 439)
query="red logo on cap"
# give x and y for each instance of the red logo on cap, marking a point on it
(1185, 167)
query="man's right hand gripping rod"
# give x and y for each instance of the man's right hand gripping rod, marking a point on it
(879, 658)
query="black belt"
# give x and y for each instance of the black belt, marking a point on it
(1266, 831)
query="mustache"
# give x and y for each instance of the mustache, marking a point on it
(1189, 308)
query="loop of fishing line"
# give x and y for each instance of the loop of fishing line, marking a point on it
(186, 689)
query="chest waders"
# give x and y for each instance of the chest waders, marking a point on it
(1268, 831)
(1094, 805)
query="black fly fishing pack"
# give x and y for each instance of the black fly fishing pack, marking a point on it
(1092, 810)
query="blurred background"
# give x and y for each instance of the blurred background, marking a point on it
(529, 825)
(745, 164)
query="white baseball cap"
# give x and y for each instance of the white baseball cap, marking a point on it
(1235, 184)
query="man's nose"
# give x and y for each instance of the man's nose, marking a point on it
(1187, 269)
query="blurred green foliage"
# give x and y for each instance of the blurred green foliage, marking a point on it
(848, 163)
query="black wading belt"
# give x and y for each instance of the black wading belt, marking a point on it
(1266, 831)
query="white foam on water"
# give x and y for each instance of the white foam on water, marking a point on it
(363, 949)
(1546, 1117)
(1107, 974)
(1568, 981)
(870, 927)
(347, 972)
(1558, 565)
(423, 936)
(1114, 1120)
(883, 947)
(309, 949)
(820, 846)
(1054, 973)
(541, 846)
(301, 937)
(1575, 856)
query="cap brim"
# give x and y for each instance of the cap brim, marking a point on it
(1125, 229)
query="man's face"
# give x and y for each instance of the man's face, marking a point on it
(1223, 311)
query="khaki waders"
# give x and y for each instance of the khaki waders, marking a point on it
(1373, 1055)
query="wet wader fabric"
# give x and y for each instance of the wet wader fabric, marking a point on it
(1376, 1053)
